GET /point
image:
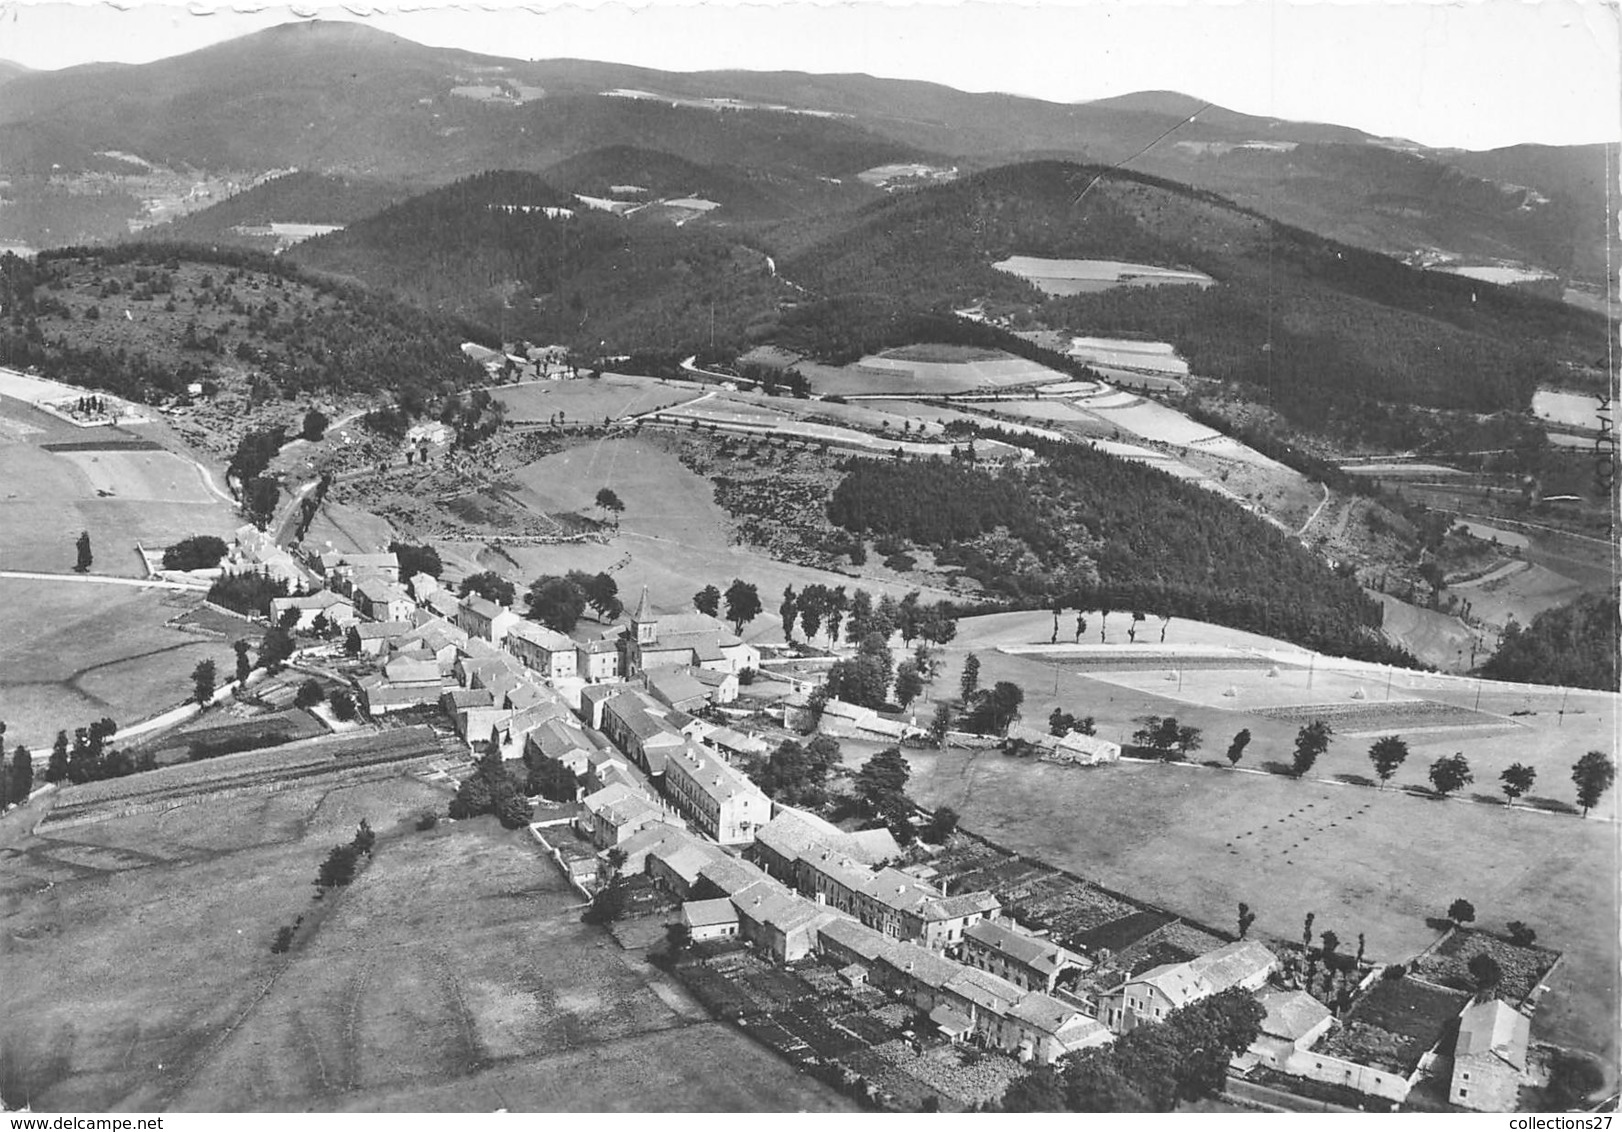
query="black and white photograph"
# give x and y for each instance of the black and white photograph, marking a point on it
(848, 558)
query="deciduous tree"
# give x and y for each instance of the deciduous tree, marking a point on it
(1236, 749)
(84, 557)
(202, 682)
(1388, 753)
(708, 601)
(969, 682)
(489, 585)
(1516, 780)
(743, 603)
(1593, 774)
(1451, 773)
(1310, 744)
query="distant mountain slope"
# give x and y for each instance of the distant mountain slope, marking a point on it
(345, 98)
(487, 248)
(1316, 326)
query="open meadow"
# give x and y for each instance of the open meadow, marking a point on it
(72, 652)
(454, 974)
(1198, 839)
(57, 480)
(590, 401)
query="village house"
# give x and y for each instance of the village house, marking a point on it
(422, 585)
(338, 610)
(550, 653)
(1157, 992)
(1074, 748)
(1025, 960)
(444, 604)
(715, 797)
(708, 920)
(383, 601)
(676, 688)
(378, 637)
(614, 814)
(378, 697)
(780, 923)
(892, 902)
(1489, 1059)
(641, 727)
(677, 862)
(440, 639)
(734, 744)
(597, 660)
(792, 833)
(480, 617)
(350, 565)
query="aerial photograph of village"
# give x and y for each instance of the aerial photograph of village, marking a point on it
(861, 558)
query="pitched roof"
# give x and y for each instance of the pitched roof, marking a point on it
(1290, 1014)
(382, 630)
(731, 875)
(855, 937)
(1041, 955)
(985, 990)
(708, 913)
(1494, 1029)
(1232, 964)
(1044, 1012)
(1180, 984)
(483, 607)
(675, 686)
(959, 906)
(549, 639)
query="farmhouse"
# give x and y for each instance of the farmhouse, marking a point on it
(1074, 748)
(709, 919)
(1489, 1060)
(1155, 994)
(377, 637)
(349, 566)
(615, 813)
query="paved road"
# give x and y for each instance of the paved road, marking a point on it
(103, 579)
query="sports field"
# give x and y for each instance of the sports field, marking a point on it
(589, 401)
(919, 370)
(72, 652)
(453, 975)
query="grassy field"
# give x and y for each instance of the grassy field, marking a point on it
(120, 497)
(1198, 841)
(453, 975)
(72, 652)
(612, 395)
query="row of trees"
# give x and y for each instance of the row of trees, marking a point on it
(17, 775)
(859, 615)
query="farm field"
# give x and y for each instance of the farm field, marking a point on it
(1435, 638)
(613, 395)
(92, 482)
(1129, 353)
(454, 974)
(1575, 410)
(1521, 595)
(1086, 276)
(919, 370)
(72, 652)
(1198, 841)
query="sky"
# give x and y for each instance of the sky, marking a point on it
(1468, 73)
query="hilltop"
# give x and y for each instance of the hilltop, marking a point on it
(344, 98)
(518, 253)
(147, 321)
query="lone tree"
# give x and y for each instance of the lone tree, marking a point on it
(1593, 774)
(787, 612)
(708, 601)
(1310, 743)
(1236, 749)
(244, 662)
(556, 602)
(1387, 754)
(1246, 918)
(743, 603)
(21, 782)
(202, 680)
(1486, 972)
(1461, 912)
(969, 683)
(1451, 773)
(315, 425)
(1517, 780)
(85, 558)
(608, 501)
(489, 585)
(342, 705)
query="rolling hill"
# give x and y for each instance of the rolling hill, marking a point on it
(1317, 327)
(516, 253)
(343, 98)
(296, 198)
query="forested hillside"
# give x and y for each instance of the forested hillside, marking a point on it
(144, 321)
(1316, 327)
(486, 248)
(302, 197)
(1072, 529)
(1574, 645)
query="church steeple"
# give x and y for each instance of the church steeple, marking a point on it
(645, 621)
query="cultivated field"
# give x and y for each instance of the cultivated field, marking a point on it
(927, 369)
(453, 975)
(1086, 276)
(585, 400)
(72, 652)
